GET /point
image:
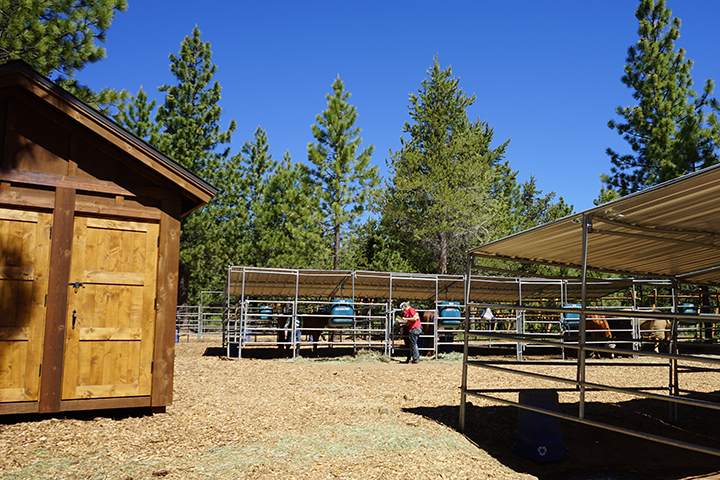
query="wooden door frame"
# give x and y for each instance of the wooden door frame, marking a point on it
(50, 397)
(57, 297)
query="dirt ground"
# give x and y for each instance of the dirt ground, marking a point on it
(322, 418)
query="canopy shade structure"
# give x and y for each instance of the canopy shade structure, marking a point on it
(276, 282)
(670, 230)
(269, 282)
(519, 290)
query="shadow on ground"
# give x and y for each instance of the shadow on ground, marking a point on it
(83, 415)
(270, 353)
(595, 453)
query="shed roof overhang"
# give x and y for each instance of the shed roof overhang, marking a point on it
(671, 230)
(196, 192)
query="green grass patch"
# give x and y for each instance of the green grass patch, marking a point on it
(339, 441)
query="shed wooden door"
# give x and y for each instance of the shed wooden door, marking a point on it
(24, 267)
(111, 309)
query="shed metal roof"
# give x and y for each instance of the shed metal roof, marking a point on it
(196, 191)
(669, 230)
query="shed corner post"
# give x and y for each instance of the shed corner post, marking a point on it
(167, 292)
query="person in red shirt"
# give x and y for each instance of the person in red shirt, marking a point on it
(413, 328)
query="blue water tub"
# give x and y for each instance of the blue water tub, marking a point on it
(687, 309)
(342, 312)
(265, 312)
(572, 320)
(449, 314)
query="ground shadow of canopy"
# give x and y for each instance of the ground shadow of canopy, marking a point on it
(595, 453)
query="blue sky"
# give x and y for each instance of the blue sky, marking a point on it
(546, 74)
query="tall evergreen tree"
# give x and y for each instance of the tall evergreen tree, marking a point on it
(257, 168)
(439, 201)
(669, 131)
(532, 208)
(289, 221)
(343, 175)
(137, 117)
(374, 248)
(57, 38)
(192, 136)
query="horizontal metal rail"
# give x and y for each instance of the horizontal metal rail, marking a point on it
(596, 386)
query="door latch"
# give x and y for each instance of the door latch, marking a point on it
(74, 319)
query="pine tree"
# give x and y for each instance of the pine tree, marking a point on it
(534, 208)
(439, 201)
(192, 136)
(137, 117)
(668, 130)
(343, 176)
(257, 168)
(289, 221)
(373, 248)
(57, 38)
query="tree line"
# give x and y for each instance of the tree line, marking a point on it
(449, 186)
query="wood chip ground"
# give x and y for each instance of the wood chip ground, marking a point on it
(353, 419)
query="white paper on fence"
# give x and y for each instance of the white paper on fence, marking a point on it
(488, 315)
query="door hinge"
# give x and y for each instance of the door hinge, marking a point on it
(152, 367)
(158, 241)
(40, 371)
(51, 232)
(45, 300)
(155, 303)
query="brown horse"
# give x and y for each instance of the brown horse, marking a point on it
(427, 320)
(597, 327)
(319, 323)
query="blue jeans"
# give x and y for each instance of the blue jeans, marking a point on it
(412, 343)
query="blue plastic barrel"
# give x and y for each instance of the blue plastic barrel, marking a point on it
(265, 312)
(449, 314)
(688, 309)
(539, 437)
(342, 312)
(572, 320)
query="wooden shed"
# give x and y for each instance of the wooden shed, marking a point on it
(89, 241)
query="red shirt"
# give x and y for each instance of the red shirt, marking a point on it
(411, 312)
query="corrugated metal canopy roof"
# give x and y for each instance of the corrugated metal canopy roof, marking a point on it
(270, 282)
(266, 282)
(669, 230)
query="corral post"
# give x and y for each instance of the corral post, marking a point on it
(673, 380)
(388, 329)
(199, 320)
(463, 385)
(587, 228)
(519, 326)
(243, 316)
(296, 319)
